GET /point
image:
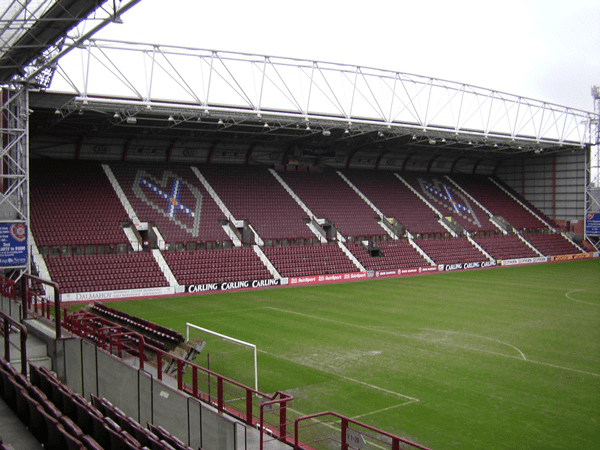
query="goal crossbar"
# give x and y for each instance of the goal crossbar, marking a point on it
(228, 338)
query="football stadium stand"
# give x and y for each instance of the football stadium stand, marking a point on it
(94, 225)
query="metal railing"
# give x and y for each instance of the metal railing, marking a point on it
(326, 428)
(226, 395)
(7, 323)
(267, 413)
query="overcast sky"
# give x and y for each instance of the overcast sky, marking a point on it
(544, 49)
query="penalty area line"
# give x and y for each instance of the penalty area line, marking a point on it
(371, 386)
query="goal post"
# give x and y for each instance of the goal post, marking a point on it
(226, 348)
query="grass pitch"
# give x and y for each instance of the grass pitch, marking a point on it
(500, 358)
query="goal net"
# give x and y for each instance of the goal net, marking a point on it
(225, 355)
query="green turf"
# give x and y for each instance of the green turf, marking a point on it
(500, 358)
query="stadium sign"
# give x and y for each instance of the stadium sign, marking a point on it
(574, 257)
(232, 286)
(520, 261)
(13, 245)
(592, 224)
(467, 266)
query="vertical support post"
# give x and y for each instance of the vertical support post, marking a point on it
(343, 430)
(159, 365)
(195, 381)
(248, 407)
(282, 419)
(141, 352)
(6, 340)
(179, 375)
(220, 400)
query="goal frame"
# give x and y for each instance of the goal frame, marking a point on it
(227, 338)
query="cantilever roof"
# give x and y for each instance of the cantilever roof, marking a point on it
(32, 32)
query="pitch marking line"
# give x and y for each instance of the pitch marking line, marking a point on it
(372, 386)
(579, 301)
(382, 410)
(480, 337)
(413, 337)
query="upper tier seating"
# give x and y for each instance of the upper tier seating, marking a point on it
(329, 197)
(252, 193)
(396, 201)
(450, 201)
(73, 203)
(505, 247)
(174, 199)
(552, 244)
(451, 251)
(498, 202)
(394, 255)
(105, 272)
(214, 266)
(309, 260)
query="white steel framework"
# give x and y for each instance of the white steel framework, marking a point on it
(187, 82)
(14, 159)
(34, 34)
(592, 194)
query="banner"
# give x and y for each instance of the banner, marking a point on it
(118, 295)
(521, 261)
(571, 257)
(232, 285)
(466, 266)
(13, 245)
(592, 224)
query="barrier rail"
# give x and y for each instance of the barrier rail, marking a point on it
(347, 432)
(41, 304)
(268, 413)
(226, 395)
(7, 322)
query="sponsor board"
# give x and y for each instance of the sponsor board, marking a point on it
(467, 266)
(13, 245)
(317, 279)
(353, 276)
(520, 261)
(592, 224)
(113, 295)
(232, 286)
(574, 257)
(405, 272)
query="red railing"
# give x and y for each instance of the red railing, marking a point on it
(348, 433)
(40, 304)
(226, 395)
(7, 323)
(256, 409)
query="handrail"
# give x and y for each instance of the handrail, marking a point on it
(74, 323)
(7, 322)
(345, 421)
(57, 306)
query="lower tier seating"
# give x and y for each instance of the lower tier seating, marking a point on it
(309, 260)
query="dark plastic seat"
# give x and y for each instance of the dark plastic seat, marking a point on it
(100, 432)
(9, 390)
(54, 437)
(72, 442)
(90, 443)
